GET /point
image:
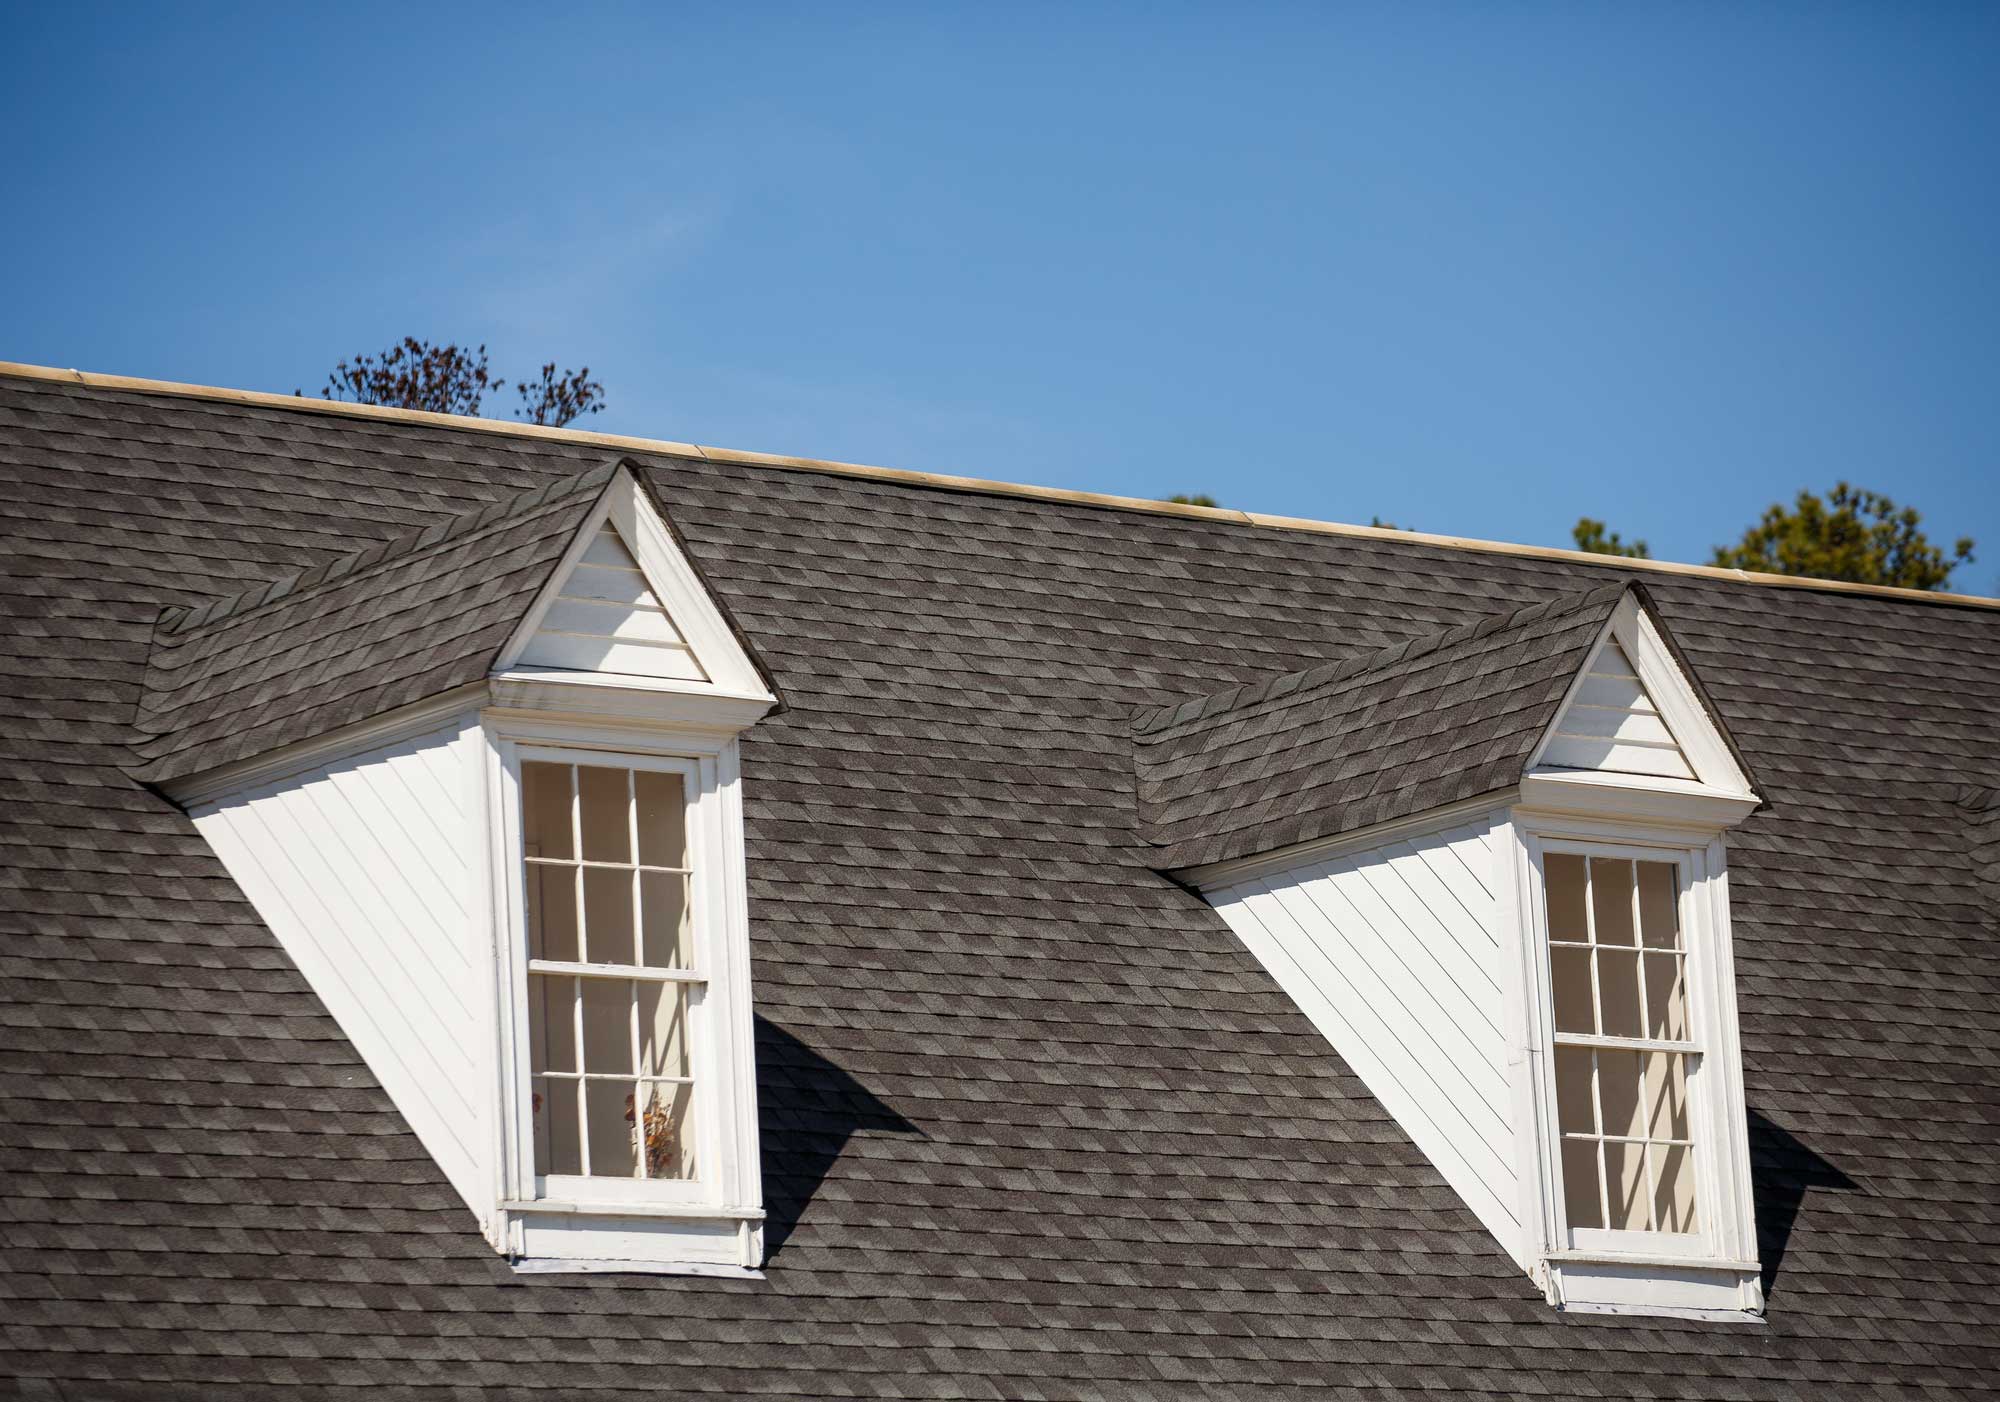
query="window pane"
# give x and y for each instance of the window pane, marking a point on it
(1575, 1105)
(1571, 969)
(1618, 1093)
(1580, 1202)
(1618, 991)
(1673, 1188)
(1666, 997)
(607, 915)
(551, 912)
(607, 1025)
(669, 1131)
(1564, 875)
(663, 898)
(662, 819)
(604, 814)
(551, 1023)
(556, 1139)
(1666, 1095)
(1611, 899)
(1658, 914)
(663, 1029)
(545, 810)
(613, 1151)
(1625, 1180)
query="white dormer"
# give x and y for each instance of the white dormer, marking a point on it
(1536, 982)
(523, 898)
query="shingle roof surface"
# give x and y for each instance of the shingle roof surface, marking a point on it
(1034, 1124)
(1345, 745)
(352, 638)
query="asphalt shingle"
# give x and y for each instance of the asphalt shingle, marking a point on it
(1034, 1124)
(1312, 754)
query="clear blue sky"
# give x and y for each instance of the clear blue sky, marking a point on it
(1475, 268)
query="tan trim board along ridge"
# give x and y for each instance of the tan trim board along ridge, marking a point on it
(943, 482)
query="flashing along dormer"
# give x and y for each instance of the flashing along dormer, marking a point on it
(1402, 841)
(377, 748)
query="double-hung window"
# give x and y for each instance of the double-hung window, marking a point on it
(628, 1129)
(1638, 1130)
(1625, 1053)
(615, 974)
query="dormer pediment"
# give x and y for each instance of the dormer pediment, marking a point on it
(624, 607)
(1635, 716)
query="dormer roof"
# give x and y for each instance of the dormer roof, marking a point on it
(1431, 722)
(420, 616)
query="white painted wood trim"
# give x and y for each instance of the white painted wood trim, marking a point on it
(1698, 732)
(557, 1265)
(672, 578)
(586, 694)
(1640, 801)
(729, 1188)
(1716, 1271)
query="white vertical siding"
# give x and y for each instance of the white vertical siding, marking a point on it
(1611, 724)
(606, 618)
(361, 869)
(1394, 953)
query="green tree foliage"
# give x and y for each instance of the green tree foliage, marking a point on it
(448, 379)
(1591, 536)
(1192, 499)
(1851, 534)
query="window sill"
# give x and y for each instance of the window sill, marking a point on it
(1663, 1286)
(611, 1207)
(1650, 1258)
(670, 1238)
(556, 1265)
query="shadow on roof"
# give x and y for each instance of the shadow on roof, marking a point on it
(808, 1108)
(1782, 1169)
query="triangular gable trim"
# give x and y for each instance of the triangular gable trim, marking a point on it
(1655, 726)
(687, 622)
(1613, 723)
(606, 617)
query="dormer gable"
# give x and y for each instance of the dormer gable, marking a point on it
(606, 617)
(1635, 716)
(624, 607)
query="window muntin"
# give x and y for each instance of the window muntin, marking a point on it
(1623, 1050)
(614, 981)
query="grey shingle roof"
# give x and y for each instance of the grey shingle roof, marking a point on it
(1034, 1124)
(1346, 745)
(351, 638)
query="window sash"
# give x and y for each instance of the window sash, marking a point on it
(1651, 1239)
(703, 1185)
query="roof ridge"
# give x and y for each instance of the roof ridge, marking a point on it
(944, 482)
(1326, 674)
(183, 619)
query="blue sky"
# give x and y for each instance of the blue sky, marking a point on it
(1476, 269)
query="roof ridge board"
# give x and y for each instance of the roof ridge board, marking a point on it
(1218, 704)
(382, 413)
(410, 545)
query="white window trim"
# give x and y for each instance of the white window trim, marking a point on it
(715, 1224)
(1714, 1273)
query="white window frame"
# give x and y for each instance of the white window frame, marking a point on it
(1714, 1271)
(714, 1220)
